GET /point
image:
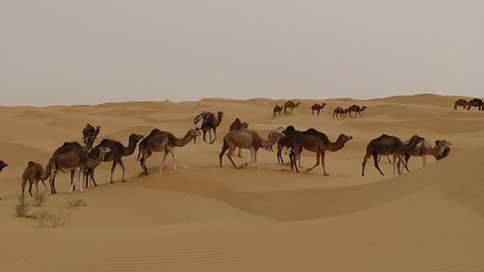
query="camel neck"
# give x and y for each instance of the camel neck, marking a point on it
(130, 149)
(180, 142)
(335, 146)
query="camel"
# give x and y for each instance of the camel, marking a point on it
(70, 158)
(462, 103)
(236, 125)
(317, 107)
(274, 134)
(95, 158)
(89, 135)
(316, 141)
(290, 105)
(246, 139)
(33, 173)
(276, 111)
(357, 110)
(290, 141)
(207, 121)
(161, 141)
(386, 145)
(476, 102)
(118, 151)
(339, 112)
(424, 149)
(3, 165)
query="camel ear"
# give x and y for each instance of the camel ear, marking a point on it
(437, 142)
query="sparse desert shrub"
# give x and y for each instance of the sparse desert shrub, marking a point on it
(39, 199)
(47, 220)
(23, 206)
(77, 203)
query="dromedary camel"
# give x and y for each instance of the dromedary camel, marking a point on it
(246, 139)
(424, 149)
(118, 151)
(275, 134)
(3, 165)
(317, 108)
(207, 121)
(339, 112)
(276, 111)
(461, 103)
(95, 158)
(89, 135)
(357, 110)
(317, 142)
(386, 145)
(476, 102)
(290, 105)
(161, 141)
(33, 173)
(236, 125)
(71, 159)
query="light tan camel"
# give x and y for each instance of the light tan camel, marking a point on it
(423, 149)
(162, 141)
(246, 139)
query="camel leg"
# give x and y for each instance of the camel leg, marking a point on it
(91, 174)
(37, 187)
(72, 188)
(23, 186)
(30, 188)
(174, 158)
(318, 162)
(279, 155)
(123, 169)
(163, 161)
(210, 135)
(115, 163)
(229, 155)
(222, 152)
(377, 166)
(81, 187)
(360, 114)
(323, 155)
(395, 165)
(424, 159)
(255, 159)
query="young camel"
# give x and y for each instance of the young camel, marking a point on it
(3, 165)
(357, 110)
(246, 139)
(207, 121)
(424, 149)
(72, 160)
(317, 108)
(161, 141)
(339, 112)
(386, 145)
(118, 151)
(461, 103)
(33, 173)
(89, 135)
(276, 111)
(290, 105)
(317, 142)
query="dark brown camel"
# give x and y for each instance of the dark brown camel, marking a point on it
(317, 142)
(290, 105)
(357, 110)
(162, 141)
(461, 103)
(118, 151)
(207, 121)
(476, 102)
(276, 111)
(317, 108)
(246, 139)
(3, 165)
(89, 135)
(339, 112)
(33, 173)
(386, 145)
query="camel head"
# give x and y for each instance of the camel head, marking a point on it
(135, 137)
(323, 105)
(342, 138)
(194, 133)
(244, 125)
(98, 128)
(364, 108)
(3, 165)
(442, 149)
(220, 114)
(297, 104)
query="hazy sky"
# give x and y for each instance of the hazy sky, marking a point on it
(92, 51)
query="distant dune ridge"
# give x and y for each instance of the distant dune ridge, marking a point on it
(205, 218)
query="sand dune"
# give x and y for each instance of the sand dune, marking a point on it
(221, 219)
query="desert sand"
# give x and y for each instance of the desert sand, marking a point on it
(205, 218)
